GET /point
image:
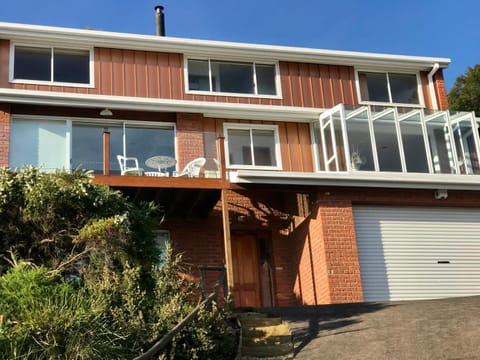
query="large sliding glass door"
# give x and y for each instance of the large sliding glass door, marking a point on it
(40, 143)
(144, 142)
(55, 144)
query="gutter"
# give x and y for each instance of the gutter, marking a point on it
(431, 85)
(193, 47)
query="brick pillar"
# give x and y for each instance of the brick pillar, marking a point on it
(190, 139)
(342, 264)
(311, 281)
(440, 90)
(4, 134)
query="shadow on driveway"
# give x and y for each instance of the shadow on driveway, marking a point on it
(428, 329)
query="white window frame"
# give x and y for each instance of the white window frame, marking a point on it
(12, 79)
(278, 88)
(71, 121)
(278, 158)
(421, 98)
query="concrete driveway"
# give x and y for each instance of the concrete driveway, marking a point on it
(428, 329)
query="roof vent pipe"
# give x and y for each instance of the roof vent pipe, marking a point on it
(159, 21)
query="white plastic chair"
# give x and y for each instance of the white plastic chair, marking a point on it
(192, 169)
(125, 169)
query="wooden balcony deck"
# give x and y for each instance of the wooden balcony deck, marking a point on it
(161, 182)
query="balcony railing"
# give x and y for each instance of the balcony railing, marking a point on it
(191, 154)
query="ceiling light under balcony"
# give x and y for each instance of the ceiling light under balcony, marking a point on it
(106, 112)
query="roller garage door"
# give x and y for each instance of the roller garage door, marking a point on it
(418, 253)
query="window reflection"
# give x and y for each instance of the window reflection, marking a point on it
(360, 142)
(440, 144)
(413, 143)
(251, 147)
(386, 141)
(144, 143)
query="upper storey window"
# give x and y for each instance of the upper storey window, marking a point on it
(389, 87)
(231, 77)
(51, 65)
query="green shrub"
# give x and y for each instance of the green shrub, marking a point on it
(91, 288)
(41, 213)
(45, 317)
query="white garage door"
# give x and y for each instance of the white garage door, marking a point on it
(418, 253)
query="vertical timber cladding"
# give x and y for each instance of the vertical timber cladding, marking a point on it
(411, 253)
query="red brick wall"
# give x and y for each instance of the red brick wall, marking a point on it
(343, 268)
(4, 134)
(311, 281)
(190, 139)
(314, 258)
(322, 285)
(441, 91)
(200, 242)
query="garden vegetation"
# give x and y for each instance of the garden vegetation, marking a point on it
(80, 279)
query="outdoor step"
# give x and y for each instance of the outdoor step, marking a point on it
(268, 351)
(264, 337)
(268, 335)
(270, 340)
(259, 321)
(246, 315)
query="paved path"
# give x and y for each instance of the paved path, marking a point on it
(429, 329)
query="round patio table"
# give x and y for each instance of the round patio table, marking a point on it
(160, 162)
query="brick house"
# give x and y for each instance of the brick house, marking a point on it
(317, 177)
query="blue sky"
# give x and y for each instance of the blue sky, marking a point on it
(438, 28)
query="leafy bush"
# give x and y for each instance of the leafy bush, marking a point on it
(87, 285)
(45, 317)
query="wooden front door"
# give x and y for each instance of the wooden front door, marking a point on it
(246, 284)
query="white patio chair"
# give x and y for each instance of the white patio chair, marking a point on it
(126, 168)
(192, 169)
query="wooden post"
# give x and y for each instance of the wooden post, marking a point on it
(227, 240)
(221, 157)
(106, 152)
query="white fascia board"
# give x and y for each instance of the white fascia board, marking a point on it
(209, 109)
(360, 179)
(68, 36)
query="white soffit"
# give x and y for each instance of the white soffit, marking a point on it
(71, 37)
(208, 109)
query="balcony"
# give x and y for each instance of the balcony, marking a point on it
(351, 146)
(95, 145)
(391, 139)
(388, 146)
(184, 159)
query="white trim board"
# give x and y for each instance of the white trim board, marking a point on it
(71, 37)
(359, 179)
(209, 109)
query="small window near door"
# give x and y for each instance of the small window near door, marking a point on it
(388, 87)
(162, 240)
(252, 146)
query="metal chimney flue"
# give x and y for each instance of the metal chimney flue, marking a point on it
(159, 21)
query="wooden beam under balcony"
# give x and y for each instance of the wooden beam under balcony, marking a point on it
(161, 182)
